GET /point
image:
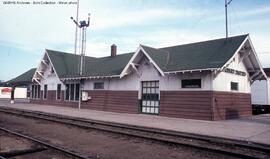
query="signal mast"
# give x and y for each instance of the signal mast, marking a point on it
(82, 25)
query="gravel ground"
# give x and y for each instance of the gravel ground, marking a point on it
(48, 154)
(99, 144)
(11, 143)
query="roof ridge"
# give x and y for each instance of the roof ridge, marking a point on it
(68, 53)
(115, 55)
(88, 55)
(161, 48)
(210, 40)
(155, 48)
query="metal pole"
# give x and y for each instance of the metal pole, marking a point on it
(80, 95)
(81, 66)
(76, 31)
(81, 63)
(82, 51)
(226, 18)
(226, 15)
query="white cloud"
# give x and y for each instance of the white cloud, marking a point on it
(118, 19)
(35, 28)
(217, 15)
(157, 39)
(257, 11)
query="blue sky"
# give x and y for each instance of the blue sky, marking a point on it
(27, 30)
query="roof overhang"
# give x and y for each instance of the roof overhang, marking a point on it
(191, 71)
(89, 77)
(21, 83)
(135, 55)
(43, 64)
(250, 59)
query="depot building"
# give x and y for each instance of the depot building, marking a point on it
(209, 80)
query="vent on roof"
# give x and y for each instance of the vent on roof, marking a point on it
(113, 50)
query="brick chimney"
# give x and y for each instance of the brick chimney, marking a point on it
(113, 50)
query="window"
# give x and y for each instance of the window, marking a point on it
(72, 92)
(99, 85)
(32, 91)
(45, 91)
(58, 93)
(77, 93)
(150, 97)
(35, 92)
(191, 83)
(234, 86)
(38, 91)
(67, 92)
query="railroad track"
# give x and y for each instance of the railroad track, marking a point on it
(242, 149)
(42, 146)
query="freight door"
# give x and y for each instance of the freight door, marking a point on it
(150, 97)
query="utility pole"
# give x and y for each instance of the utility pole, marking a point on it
(83, 25)
(76, 29)
(226, 15)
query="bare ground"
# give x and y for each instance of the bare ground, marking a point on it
(99, 144)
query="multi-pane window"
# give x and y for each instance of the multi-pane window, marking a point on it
(72, 92)
(35, 92)
(45, 91)
(77, 91)
(234, 86)
(150, 97)
(67, 91)
(58, 91)
(191, 83)
(99, 85)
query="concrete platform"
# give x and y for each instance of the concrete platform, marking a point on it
(254, 129)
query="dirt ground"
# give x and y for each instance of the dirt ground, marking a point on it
(99, 144)
(10, 143)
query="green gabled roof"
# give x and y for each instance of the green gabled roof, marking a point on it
(67, 65)
(201, 55)
(107, 66)
(159, 56)
(24, 78)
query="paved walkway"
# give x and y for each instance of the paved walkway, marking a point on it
(255, 129)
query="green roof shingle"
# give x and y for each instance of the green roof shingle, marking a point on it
(67, 65)
(210, 54)
(24, 78)
(203, 55)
